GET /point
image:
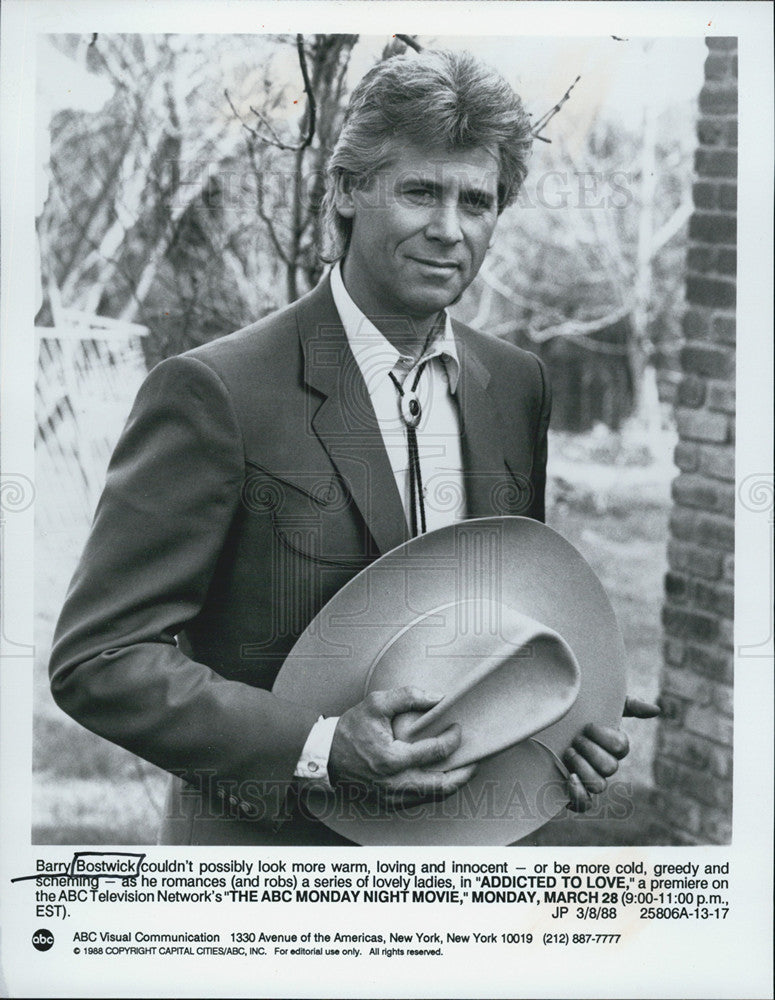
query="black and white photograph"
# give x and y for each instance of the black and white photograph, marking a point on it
(373, 454)
(211, 189)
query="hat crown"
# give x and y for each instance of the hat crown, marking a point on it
(504, 675)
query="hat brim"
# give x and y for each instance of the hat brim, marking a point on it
(522, 564)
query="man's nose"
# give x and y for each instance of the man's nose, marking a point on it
(444, 224)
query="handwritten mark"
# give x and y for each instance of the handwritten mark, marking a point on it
(111, 865)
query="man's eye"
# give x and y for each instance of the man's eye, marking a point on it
(477, 205)
(420, 196)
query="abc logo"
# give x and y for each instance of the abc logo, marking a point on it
(42, 939)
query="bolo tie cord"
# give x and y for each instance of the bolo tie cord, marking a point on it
(411, 411)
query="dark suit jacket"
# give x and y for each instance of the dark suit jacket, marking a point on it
(249, 485)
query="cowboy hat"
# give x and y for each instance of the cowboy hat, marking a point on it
(504, 618)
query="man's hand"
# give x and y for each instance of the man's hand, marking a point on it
(364, 750)
(595, 754)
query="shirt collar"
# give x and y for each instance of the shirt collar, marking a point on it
(375, 355)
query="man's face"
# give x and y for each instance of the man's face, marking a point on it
(420, 230)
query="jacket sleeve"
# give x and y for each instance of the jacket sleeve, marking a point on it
(172, 489)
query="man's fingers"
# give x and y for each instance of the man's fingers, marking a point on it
(458, 776)
(404, 699)
(613, 741)
(598, 757)
(593, 780)
(416, 786)
(433, 749)
(580, 800)
(595, 755)
(634, 708)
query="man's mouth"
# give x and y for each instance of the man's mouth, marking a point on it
(446, 265)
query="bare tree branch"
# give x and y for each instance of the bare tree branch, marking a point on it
(273, 139)
(668, 230)
(544, 120)
(577, 328)
(411, 41)
(311, 107)
(262, 213)
(488, 277)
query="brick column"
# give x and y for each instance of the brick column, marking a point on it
(693, 760)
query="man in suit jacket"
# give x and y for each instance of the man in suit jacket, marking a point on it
(260, 472)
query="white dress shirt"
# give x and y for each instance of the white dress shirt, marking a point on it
(438, 445)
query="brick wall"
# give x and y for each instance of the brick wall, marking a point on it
(693, 761)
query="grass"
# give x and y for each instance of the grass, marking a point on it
(604, 496)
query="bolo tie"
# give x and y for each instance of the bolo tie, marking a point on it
(411, 412)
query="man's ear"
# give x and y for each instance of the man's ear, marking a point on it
(343, 196)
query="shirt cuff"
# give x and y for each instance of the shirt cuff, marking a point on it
(313, 763)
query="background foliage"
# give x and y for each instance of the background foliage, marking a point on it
(185, 203)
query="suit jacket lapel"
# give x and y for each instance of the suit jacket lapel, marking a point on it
(484, 462)
(345, 422)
